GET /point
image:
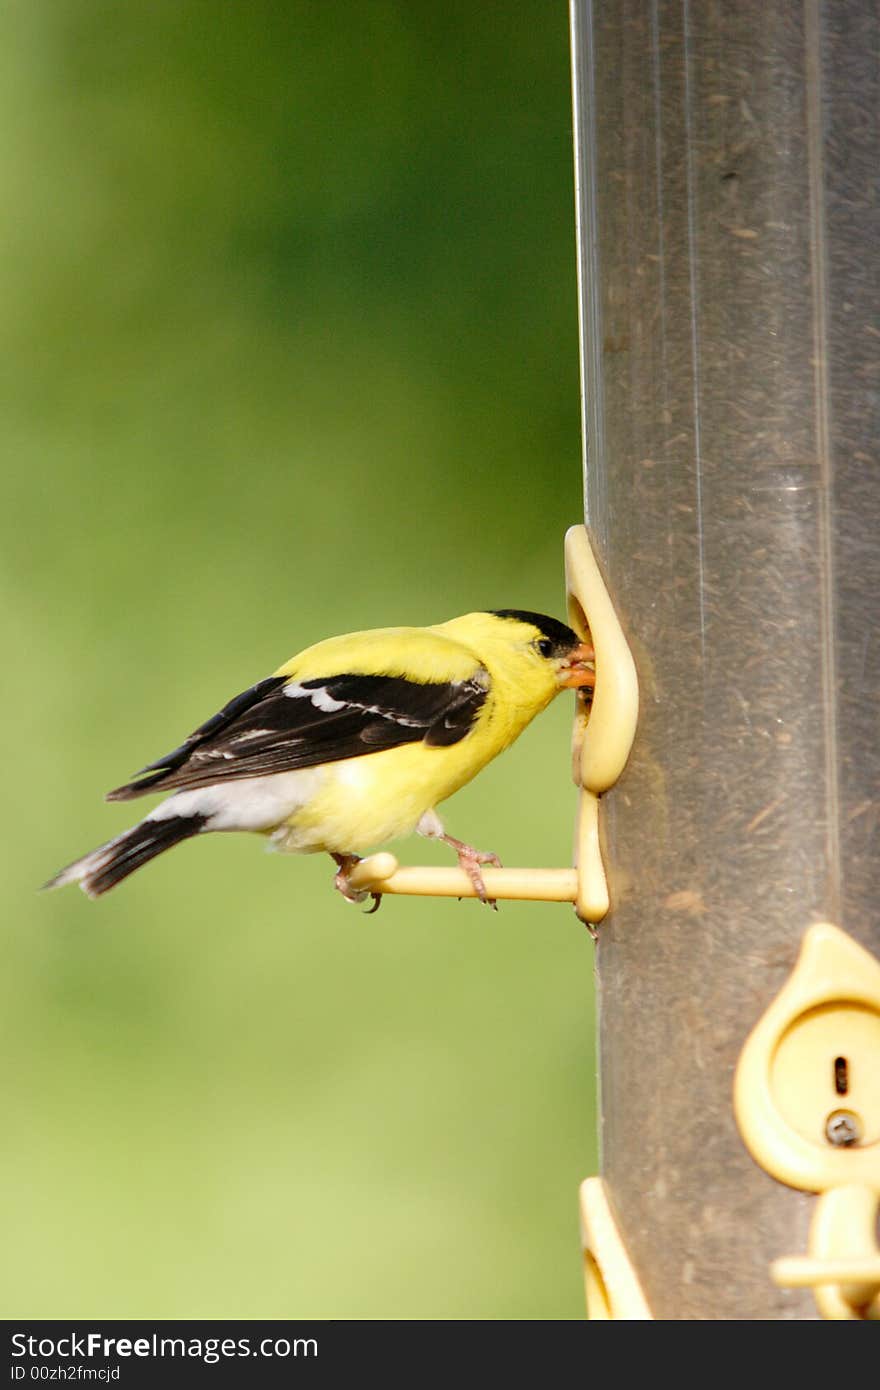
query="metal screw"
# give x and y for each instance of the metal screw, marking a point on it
(843, 1128)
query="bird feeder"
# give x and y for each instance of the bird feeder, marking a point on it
(726, 161)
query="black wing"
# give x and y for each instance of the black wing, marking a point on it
(280, 725)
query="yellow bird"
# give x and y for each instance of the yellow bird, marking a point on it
(352, 743)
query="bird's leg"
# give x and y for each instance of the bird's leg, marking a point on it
(346, 863)
(469, 858)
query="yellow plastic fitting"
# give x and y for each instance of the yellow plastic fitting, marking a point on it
(612, 1286)
(807, 1102)
(604, 732)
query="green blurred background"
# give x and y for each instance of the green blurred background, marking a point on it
(289, 345)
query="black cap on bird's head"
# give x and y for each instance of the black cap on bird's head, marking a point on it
(559, 644)
(562, 637)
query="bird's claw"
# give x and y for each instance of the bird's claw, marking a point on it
(341, 883)
(471, 860)
(351, 895)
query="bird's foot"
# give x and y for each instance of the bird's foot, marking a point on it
(471, 860)
(346, 863)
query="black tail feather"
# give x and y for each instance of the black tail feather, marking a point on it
(98, 872)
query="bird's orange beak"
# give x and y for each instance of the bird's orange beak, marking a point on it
(578, 670)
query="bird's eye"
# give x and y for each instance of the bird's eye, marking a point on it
(544, 647)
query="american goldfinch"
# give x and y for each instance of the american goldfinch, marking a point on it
(352, 743)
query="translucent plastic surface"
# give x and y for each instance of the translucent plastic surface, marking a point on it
(728, 208)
